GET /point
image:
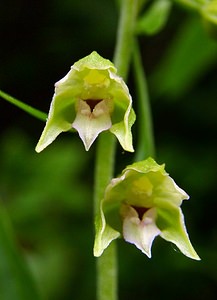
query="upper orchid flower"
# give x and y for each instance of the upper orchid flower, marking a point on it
(142, 203)
(91, 98)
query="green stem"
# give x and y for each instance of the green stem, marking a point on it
(145, 147)
(106, 264)
(27, 108)
(125, 34)
(107, 274)
(104, 168)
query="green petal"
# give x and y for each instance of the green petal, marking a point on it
(168, 192)
(171, 223)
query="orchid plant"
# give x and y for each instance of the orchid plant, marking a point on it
(93, 100)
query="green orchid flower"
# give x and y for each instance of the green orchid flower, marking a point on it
(91, 98)
(141, 204)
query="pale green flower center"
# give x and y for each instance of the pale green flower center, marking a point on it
(95, 77)
(140, 193)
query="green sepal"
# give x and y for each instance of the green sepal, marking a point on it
(94, 61)
(122, 130)
(171, 223)
(104, 234)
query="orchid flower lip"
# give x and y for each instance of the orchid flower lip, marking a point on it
(91, 120)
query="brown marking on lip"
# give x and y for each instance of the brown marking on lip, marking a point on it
(140, 211)
(92, 103)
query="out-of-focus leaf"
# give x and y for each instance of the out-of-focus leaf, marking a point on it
(154, 18)
(192, 4)
(41, 180)
(188, 57)
(48, 199)
(209, 11)
(15, 280)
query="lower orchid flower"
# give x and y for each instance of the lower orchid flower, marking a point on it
(141, 204)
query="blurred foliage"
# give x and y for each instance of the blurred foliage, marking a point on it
(47, 197)
(154, 18)
(15, 279)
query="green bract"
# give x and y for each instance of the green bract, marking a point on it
(142, 203)
(91, 98)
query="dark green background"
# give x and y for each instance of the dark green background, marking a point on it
(48, 196)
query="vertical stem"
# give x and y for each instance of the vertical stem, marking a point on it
(107, 263)
(107, 274)
(104, 166)
(145, 147)
(125, 34)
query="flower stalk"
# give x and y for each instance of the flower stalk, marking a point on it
(104, 168)
(145, 145)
